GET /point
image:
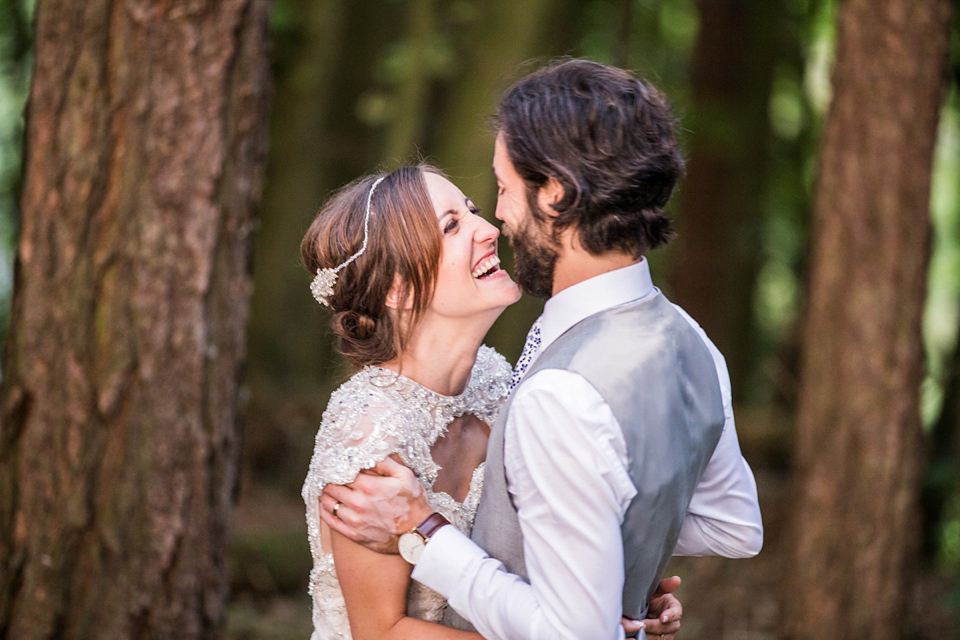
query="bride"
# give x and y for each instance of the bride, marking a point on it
(412, 276)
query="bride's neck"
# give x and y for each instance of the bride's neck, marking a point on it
(440, 355)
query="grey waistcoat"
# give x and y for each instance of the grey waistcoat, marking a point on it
(660, 381)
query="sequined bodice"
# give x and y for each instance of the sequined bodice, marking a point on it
(374, 414)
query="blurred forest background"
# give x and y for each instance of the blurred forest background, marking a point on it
(365, 84)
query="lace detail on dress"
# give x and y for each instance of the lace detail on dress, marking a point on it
(374, 414)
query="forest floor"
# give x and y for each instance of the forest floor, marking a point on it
(723, 599)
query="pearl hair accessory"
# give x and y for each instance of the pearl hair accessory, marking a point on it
(326, 278)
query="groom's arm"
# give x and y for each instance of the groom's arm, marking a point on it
(724, 515)
(571, 489)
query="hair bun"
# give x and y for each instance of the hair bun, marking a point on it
(354, 325)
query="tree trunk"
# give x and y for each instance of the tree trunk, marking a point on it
(858, 426)
(717, 253)
(120, 394)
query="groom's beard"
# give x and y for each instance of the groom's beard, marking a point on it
(534, 258)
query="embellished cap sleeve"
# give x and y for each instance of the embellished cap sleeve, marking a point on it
(489, 384)
(358, 429)
(355, 434)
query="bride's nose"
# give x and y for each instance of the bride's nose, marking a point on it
(485, 231)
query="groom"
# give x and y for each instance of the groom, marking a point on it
(616, 447)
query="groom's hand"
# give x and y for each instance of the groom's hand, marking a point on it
(376, 507)
(663, 614)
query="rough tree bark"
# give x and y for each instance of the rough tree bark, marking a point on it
(120, 393)
(858, 442)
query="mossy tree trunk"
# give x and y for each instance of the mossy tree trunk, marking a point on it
(859, 437)
(120, 393)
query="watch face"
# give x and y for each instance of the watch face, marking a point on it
(411, 547)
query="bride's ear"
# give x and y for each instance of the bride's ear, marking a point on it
(399, 298)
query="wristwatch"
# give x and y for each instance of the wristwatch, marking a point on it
(412, 542)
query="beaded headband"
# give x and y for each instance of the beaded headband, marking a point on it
(324, 281)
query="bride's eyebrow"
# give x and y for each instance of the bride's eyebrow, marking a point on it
(449, 212)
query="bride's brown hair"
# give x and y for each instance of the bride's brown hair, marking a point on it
(403, 246)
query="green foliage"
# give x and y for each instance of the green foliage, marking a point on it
(16, 61)
(942, 311)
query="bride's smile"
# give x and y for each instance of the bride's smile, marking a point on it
(470, 281)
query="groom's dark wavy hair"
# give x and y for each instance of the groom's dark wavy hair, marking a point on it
(608, 138)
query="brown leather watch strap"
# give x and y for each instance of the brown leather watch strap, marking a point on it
(429, 526)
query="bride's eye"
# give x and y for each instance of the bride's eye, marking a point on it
(475, 210)
(451, 225)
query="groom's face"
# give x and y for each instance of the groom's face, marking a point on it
(512, 207)
(535, 252)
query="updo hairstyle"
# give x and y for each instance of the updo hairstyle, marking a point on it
(404, 245)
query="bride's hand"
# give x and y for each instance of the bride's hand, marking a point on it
(663, 614)
(376, 507)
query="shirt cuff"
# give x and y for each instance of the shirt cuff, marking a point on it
(445, 559)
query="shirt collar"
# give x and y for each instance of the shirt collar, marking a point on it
(593, 295)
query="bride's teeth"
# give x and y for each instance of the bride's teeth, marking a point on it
(485, 266)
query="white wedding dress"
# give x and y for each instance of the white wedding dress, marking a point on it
(376, 413)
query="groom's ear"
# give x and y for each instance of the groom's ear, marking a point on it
(550, 194)
(399, 297)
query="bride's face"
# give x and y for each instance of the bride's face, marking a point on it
(470, 280)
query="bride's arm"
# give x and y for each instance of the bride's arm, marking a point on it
(375, 591)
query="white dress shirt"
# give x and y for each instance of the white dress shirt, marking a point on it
(566, 466)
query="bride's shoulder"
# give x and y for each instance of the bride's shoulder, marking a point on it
(357, 430)
(489, 384)
(491, 364)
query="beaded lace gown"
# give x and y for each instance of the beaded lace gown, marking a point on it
(374, 414)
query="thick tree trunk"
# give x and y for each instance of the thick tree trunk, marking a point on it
(118, 450)
(858, 425)
(718, 250)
